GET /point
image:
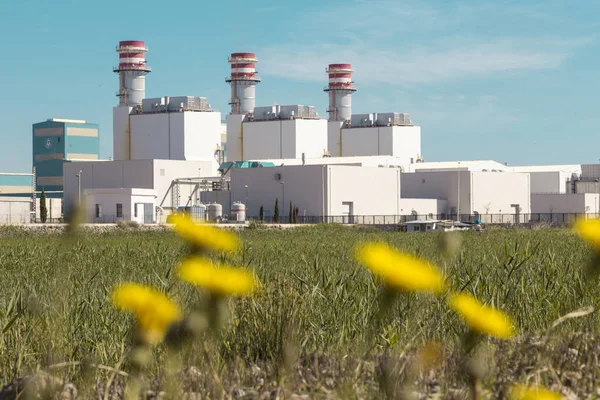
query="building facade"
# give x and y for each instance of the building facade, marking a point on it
(57, 141)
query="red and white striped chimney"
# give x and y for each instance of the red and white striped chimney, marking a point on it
(243, 80)
(132, 72)
(340, 91)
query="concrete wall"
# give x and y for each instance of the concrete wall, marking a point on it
(346, 184)
(482, 192)
(580, 203)
(284, 139)
(15, 210)
(165, 171)
(151, 136)
(121, 136)
(496, 191)
(549, 182)
(423, 206)
(320, 190)
(234, 137)
(333, 137)
(402, 142)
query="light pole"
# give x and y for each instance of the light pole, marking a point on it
(283, 197)
(458, 195)
(79, 188)
(246, 198)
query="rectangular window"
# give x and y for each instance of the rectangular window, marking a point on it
(119, 210)
(135, 207)
(98, 211)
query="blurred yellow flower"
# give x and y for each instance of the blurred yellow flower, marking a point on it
(154, 312)
(589, 230)
(400, 271)
(481, 318)
(223, 281)
(203, 235)
(533, 393)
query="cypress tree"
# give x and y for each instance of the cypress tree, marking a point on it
(291, 214)
(276, 213)
(43, 208)
(296, 212)
(261, 213)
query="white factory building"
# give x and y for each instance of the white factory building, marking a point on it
(365, 168)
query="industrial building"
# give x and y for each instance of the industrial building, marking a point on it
(317, 190)
(472, 193)
(58, 141)
(175, 182)
(168, 128)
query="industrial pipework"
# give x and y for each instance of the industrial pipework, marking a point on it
(132, 71)
(340, 91)
(243, 82)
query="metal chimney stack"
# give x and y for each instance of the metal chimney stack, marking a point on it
(132, 72)
(243, 82)
(340, 91)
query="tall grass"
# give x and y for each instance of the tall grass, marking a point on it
(54, 304)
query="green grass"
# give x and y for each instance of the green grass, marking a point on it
(54, 304)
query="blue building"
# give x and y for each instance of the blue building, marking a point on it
(16, 185)
(57, 141)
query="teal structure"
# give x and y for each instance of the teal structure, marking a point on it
(57, 141)
(16, 185)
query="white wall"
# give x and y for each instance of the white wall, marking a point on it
(549, 182)
(498, 190)
(202, 136)
(15, 210)
(262, 140)
(349, 184)
(482, 192)
(234, 137)
(407, 144)
(108, 199)
(320, 190)
(310, 138)
(121, 136)
(53, 205)
(580, 203)
(150, 135)
(423, 206)
(304, 185)
(333, 137)
(402, 142)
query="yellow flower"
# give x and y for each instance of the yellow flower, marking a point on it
(481, 318)
(154, 312)
(589, 230)
(533, 393)
(222, 281)
(400, 271)
(203, 235)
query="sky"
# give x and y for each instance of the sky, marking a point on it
(511, 81)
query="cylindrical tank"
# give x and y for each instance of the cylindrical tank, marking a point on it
(214, 212)
(238, 212)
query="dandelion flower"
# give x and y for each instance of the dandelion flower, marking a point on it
(154, 312)
(589, 230)
(400, 271)
(481, 318)
(223, 281)
(203, 235)
(533, 393)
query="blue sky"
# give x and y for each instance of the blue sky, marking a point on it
(513, 81)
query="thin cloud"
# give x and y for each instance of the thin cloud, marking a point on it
(378, 38)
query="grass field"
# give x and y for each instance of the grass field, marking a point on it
(312, 329)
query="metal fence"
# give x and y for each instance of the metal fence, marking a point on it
(557, 219)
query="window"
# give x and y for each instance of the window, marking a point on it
(162, 172)
(135, 207)
(98, 211)
(119, 210)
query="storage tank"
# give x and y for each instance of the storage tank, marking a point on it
(238, 212)
(214, 211)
